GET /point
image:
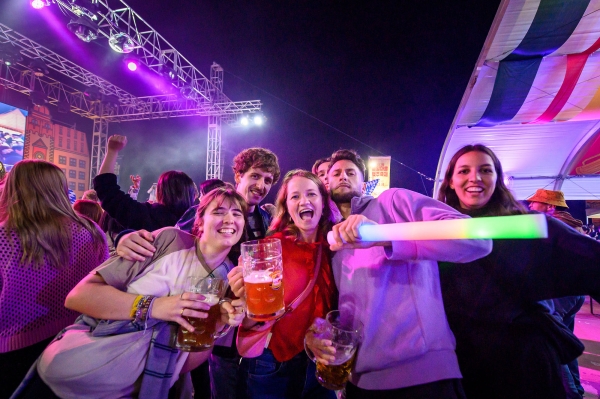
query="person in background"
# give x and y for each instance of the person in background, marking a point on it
(186, 222)
(303, 219)
(553, 203)
(175, 194)
(45, 249)
(134, 189)
(394, 289)
(90, 195)
(508, 345)
(320, 168)
(88, 208)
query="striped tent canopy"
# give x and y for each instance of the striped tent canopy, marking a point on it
(534, 98)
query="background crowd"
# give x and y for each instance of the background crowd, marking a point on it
(436, 314)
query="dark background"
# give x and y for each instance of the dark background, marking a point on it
(384, 78)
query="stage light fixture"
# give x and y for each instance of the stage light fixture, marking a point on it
(187, 92)
(121, 43)
(244, 120)
(9, 56)
(168, 72)
(258, 120)
(92, 93)
(132, 62)
(84, 29)
(38, 97)
(63, 106)
(37, 4)
(38, 67)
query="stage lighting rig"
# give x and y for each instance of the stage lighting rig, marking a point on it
(9, 55)
(38, 67)
(37, 4)
(121, 43)
(168, 72)
(132, 62)
(92, 93)
(84, 29)
(38, 97)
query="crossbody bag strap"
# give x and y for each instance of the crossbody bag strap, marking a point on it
(308, 288)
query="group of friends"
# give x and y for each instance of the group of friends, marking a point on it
(442, 319)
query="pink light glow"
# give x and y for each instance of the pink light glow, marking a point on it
(37, 4)
(132, 66)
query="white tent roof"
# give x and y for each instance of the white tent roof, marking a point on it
(534, 98)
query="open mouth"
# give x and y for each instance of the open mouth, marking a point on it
(226, 231)
(306, 214)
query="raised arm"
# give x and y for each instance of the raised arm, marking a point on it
(114, 144)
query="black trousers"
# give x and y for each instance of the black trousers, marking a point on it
(444, 389)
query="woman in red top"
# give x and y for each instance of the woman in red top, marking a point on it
(302, 221)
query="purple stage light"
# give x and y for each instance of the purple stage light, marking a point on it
(132, 66)
(37, 4)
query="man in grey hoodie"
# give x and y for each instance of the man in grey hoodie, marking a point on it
(407, 349)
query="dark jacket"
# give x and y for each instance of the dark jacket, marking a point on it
(127, 211)
(491, 308)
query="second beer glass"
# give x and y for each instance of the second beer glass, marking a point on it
(263, 279)
(345, 332)
(205, 332)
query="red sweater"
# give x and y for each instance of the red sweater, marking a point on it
(298, 267)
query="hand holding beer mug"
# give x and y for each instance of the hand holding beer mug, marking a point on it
(345, 333)
(263, 279)
(204, 335)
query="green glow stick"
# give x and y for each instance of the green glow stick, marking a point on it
(498, 227)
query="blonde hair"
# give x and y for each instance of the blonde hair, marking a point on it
(35, 204)
(283, 221)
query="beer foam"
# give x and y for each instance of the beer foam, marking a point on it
(258, 276)
(211, 299)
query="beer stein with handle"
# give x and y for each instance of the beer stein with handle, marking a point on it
(204, 335)
(345, 332)
(263, 278)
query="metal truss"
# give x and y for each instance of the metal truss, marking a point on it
(152, 49)
(206, 97)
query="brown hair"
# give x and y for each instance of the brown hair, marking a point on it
(318, 163)
(88, 208)
(349, 155)
(259, 158)
(218, 194)
(176, 191)
(501, 203)
(35, 204)
(283, 221)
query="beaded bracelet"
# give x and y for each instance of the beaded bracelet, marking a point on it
(134, 307)
(141, 313)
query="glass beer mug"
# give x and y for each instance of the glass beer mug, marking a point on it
(345, 333)
(205, 332)
(263, 279)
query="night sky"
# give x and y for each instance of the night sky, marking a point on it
(384, 78)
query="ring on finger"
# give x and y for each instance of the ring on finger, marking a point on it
(182, 309)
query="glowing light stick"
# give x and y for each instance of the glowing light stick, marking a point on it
(498, 227)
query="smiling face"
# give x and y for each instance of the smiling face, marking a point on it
(345, 181)
(474, 179)
(222, 224)
(304, 204)
(254, 185)
(322, 173)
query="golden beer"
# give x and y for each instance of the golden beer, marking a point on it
(204, 335)
(264, 295)
(335, 375)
